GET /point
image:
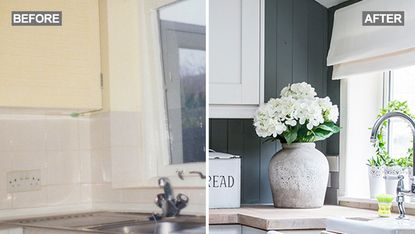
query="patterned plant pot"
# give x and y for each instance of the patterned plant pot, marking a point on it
(376, 181)
(391, 180)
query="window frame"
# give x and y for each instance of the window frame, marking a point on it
(385, 94)
(155, 159)
(185, 35)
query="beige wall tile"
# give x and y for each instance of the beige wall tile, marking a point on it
(63, 194)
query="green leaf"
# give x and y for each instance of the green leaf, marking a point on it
(329, 126)
(321, 134)
(290, 135)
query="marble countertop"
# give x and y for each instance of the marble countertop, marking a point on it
(267, 217)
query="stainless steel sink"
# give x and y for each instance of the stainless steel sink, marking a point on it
(114, 222)
(160, 227)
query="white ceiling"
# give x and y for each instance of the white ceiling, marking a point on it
(330, 3)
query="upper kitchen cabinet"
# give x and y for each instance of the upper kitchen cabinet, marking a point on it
(235, 58)
(51, 67)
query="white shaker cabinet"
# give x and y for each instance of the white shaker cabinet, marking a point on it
(235, 58)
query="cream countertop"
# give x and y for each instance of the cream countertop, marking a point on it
(267, 217)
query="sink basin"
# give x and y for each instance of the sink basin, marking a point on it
(179, 224)
(358, 225)
(115, 222)
(160, 227)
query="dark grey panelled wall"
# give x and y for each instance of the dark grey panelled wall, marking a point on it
(296, 45)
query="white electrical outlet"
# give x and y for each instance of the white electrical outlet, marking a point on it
(22, 181)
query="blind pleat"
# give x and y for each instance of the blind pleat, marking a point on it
(357, 49)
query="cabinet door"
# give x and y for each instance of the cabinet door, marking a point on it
(225, 229)
(234, 46)
(51, 66)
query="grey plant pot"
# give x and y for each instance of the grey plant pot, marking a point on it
(298, 175)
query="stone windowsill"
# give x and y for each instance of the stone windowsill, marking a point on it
(371, 204)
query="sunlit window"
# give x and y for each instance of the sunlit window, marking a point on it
(402, 87)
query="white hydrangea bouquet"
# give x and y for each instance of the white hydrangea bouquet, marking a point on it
(297, 116)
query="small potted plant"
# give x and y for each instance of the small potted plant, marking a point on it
(376, 181)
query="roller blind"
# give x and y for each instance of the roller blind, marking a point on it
(357, 49)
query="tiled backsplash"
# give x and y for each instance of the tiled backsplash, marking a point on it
(113, 135)
(58, 146)
(74, 156)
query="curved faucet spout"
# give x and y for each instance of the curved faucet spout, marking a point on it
(387, 116)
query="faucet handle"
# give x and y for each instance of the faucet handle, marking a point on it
(393, 177)
(159, 199)
(181, 201)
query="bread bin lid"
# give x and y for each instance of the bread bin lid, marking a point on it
(218, 155)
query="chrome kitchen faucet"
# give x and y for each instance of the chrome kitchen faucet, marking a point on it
(166, 201)
(400, 189)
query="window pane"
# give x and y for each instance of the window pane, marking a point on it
(183, 43)
(193, 103)
(402, 89)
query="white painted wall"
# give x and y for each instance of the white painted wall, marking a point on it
(361, 99)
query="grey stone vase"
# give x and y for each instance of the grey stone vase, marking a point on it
(298, 175)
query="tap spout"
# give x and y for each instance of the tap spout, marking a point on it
(387, 116)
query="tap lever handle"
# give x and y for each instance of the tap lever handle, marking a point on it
(181, 201)
(393, 177)
(159, 199)
(202, 176)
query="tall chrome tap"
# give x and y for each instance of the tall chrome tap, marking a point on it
(400, 189)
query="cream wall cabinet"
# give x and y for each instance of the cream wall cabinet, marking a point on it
(235, 78)
(55, 67)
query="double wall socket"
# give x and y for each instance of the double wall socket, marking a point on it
(22, 181)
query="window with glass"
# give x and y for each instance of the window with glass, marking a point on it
(363, 98)
(183, 44)
(401, 88)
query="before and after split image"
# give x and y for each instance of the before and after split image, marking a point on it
(207, 116)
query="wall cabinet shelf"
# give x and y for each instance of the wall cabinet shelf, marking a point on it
(51, 67)
(235, 58)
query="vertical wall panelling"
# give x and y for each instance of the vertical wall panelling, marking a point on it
(284, 28)
(270, 56)
(300, 45)
(296, 45)
(218, 135)
(251, 164)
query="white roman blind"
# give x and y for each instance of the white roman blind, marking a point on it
(357, 49)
